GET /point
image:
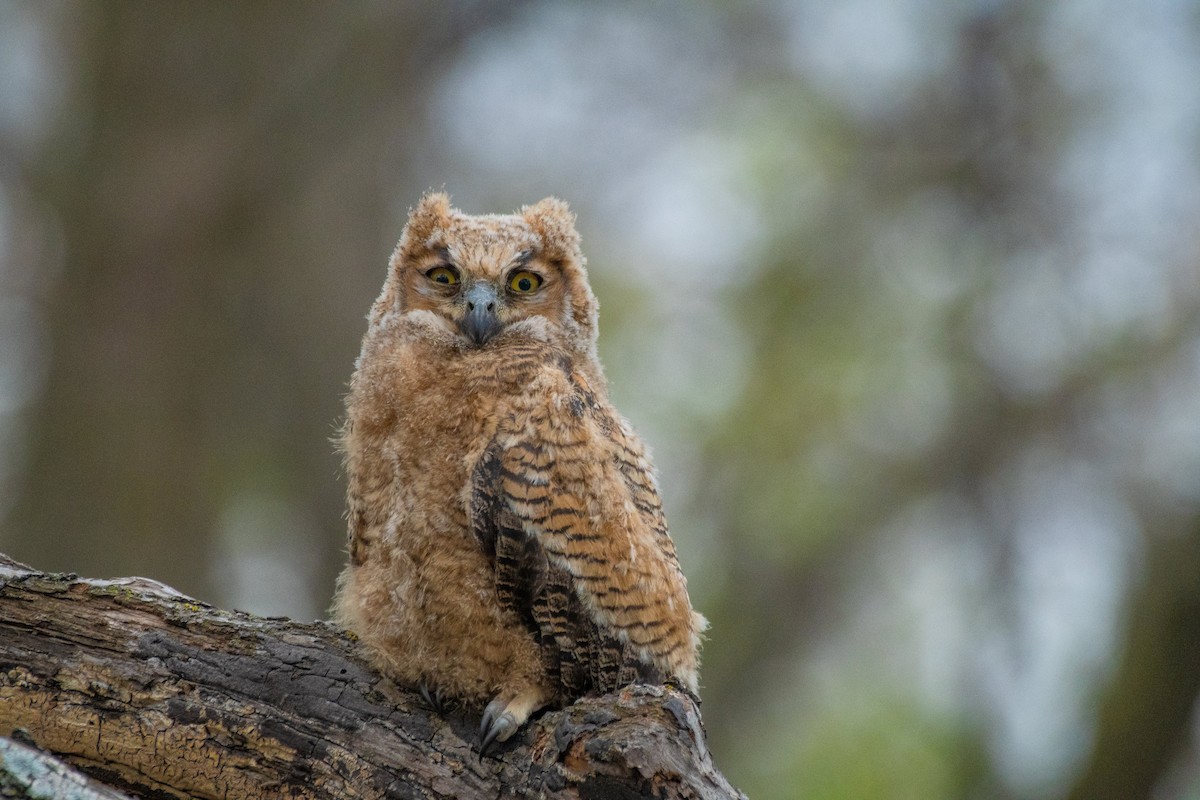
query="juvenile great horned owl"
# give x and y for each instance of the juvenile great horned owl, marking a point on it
(507, 544)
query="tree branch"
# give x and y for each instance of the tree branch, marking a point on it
(27, 772)
(162, 696)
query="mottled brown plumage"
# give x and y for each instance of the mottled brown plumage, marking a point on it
(507, 542)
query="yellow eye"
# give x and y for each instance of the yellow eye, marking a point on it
(443, 275)
(524, 282)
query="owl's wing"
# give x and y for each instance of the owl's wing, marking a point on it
(363, 526)
(566, 504)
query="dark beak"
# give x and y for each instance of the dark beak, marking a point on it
(480, 323)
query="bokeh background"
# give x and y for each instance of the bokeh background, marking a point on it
(904, 295)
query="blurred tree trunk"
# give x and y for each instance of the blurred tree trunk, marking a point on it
(1146, 717)
(221, 178)
(153, 693)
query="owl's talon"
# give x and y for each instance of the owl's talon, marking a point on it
(497, 725)
(435, 699)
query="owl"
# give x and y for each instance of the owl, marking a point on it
(507, 544)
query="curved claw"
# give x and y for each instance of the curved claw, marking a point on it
(505, 715)
(497, 725)
(433, 699)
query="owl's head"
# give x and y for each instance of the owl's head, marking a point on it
(495, 277)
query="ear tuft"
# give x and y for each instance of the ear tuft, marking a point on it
(431, 213)
(554, 222)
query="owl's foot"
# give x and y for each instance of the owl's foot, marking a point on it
(505, 715)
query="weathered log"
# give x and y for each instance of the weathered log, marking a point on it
(156, 694)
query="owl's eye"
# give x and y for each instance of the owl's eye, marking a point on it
(524, 282)
(443, 275)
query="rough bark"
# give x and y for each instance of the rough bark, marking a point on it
(158, 695)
